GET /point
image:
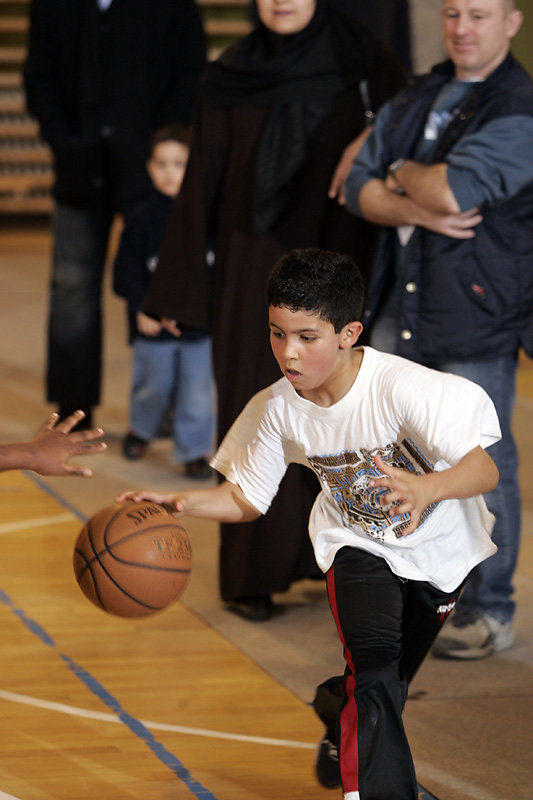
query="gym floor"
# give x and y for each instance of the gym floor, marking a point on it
(195, 700)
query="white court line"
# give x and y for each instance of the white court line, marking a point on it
(467, 789)
(159, 726)
(37, 522)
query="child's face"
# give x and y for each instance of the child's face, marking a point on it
(309, 352)
(166, 166)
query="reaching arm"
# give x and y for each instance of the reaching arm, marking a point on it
(474, 474)
(49, 450)
(225, 503)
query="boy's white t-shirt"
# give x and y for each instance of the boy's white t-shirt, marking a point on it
(416, 418)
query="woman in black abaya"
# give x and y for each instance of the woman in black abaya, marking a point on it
(275, 114)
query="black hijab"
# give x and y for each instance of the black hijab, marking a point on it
(296, 76)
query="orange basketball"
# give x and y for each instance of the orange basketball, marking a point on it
(132, 559)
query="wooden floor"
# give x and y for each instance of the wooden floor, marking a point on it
(194, 702)
(94, 706)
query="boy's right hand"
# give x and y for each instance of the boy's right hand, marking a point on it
(171, 502)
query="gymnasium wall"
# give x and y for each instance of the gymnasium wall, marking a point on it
(426, 34)
(522, 43)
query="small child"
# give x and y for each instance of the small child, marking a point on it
(399, 521)
(166, 369)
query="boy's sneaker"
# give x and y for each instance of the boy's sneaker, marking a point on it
(473, 636)
(327, 765)
(133, 447)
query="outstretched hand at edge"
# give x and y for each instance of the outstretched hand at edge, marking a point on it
(49, 451)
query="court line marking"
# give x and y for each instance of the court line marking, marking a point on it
(53, 493)
(160, 726)
(36, 522)
(4, 796)
(165, 756)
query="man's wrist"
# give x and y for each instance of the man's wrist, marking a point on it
(395, 166)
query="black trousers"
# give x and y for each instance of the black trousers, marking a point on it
(81, 237)
(386, 625)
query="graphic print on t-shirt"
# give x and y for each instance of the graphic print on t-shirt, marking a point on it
(346, 476)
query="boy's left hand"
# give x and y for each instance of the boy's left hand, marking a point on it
(411, 493)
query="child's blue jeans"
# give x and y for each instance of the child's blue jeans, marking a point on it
(178, 375)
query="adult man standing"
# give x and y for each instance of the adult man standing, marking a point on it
(100, 77)
(448, 170)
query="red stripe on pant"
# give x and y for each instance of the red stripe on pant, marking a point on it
(349, 717)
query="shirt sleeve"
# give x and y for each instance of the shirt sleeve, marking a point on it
(129, 266)
(253, 455)
(369, 164)
(450, 414)
(492, 164)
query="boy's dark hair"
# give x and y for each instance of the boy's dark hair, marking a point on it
(171, 133)
(325, 283)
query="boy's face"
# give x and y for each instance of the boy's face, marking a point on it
(308, 351)
(166, 166)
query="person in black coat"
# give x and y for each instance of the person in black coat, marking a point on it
(100, 77)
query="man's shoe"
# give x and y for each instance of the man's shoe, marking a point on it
(327, 765)
(84, 424)
(133, 447)
(473, 636)
(255, 609)
(198, 470)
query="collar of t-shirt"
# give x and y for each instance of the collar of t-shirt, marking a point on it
(103, 5)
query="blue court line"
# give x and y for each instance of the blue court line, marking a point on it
(136, 726)
(61, 500)
(423, 794)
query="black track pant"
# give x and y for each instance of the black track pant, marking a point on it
(386, 625)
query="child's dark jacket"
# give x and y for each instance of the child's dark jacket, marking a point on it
(137, 259)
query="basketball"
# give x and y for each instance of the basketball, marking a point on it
(132, 559)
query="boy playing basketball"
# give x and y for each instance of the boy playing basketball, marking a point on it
(399, 522)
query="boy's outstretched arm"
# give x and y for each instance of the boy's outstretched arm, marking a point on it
(50, 449)
(475, 474)
(224, 503)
